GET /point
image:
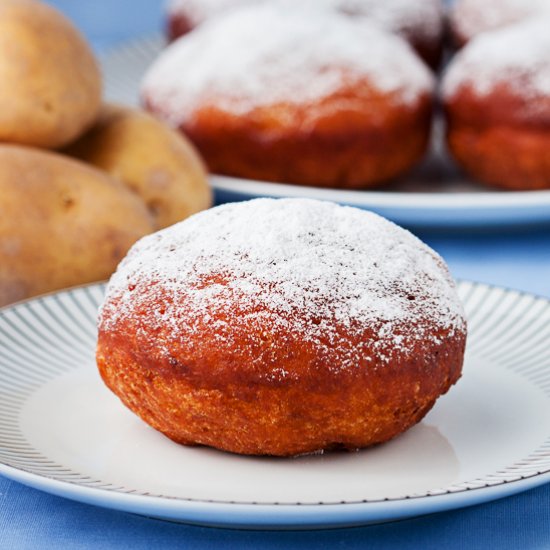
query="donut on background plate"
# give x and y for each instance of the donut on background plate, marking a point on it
(281, 327)
(468, 18)
(418, 22)
(295, 96)
(497, 99)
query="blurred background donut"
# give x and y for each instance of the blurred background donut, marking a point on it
(319, 99)
(469, 18)
(497, 99)
(418, 22)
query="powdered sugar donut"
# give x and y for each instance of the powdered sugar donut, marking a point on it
(420, 23)
(468, 18)
(281, 327)
(497, 98)
(293, 96)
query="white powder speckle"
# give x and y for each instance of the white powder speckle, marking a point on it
(518, 55)
(265, 55)
(336, 266)
(406, 17)
(409, 18)
(471, 17)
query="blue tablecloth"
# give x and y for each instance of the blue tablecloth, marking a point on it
(517, 259)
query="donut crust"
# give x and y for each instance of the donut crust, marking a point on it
(355, 138)
(261, 391)
(177, 24)
(502, 138)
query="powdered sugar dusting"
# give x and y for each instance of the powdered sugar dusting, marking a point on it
(409, 18)
(405, 17)
(336, 266)
(518, 55)
(264, 55)
(471, 17)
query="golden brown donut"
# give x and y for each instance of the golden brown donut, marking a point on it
(156, 162)
(320, 100)
(497, 99)
(50, 84)
(468, 18)
(418, 22)
(281, 327)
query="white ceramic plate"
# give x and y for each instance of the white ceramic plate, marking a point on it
(434, 195)
(63, 432)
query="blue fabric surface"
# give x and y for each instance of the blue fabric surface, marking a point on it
(519, 259)
(32, 519)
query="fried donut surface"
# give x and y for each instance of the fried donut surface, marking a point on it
(281, 327)
(319, 100)
(497, 98)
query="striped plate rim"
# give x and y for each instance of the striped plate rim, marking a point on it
(54, 334)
